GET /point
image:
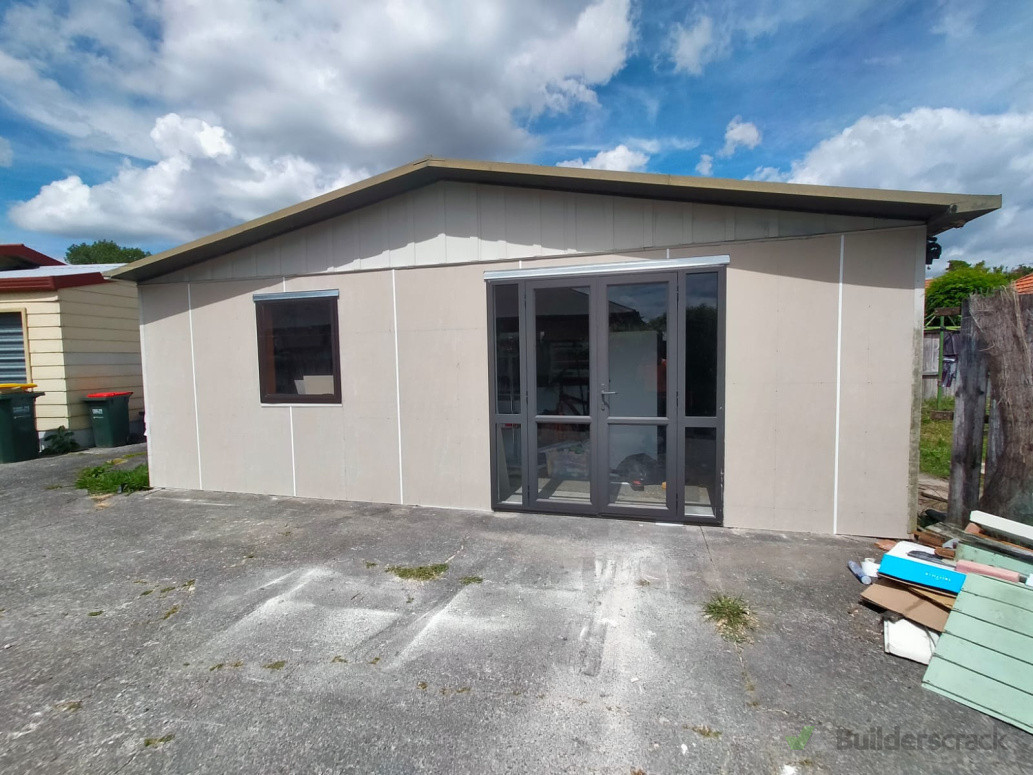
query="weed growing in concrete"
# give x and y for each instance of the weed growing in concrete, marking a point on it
(471, 580)
(171, 612)
(731, 616)
(418, 572)
(94, 613)
(370, 564)
(705, 731)
(71, 707)
(101, 479)
(153, 741)
(59, 442)
(339, 660)
(278, 665)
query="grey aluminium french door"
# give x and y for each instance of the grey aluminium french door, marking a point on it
(597, 408)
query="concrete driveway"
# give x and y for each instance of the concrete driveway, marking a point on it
(188, 632)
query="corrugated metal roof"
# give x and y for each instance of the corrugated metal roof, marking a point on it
(63, 270)
(939, 211)
(1025, 284)
(18, 255)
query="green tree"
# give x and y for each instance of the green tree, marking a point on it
(103, 251)
(961, 280)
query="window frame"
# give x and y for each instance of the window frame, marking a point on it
(14, 310)
(266, 369)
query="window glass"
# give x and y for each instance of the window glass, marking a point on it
(12, 348)
(700, 471)
(701, 344)
(507, 349)
(298, 350)
(562, 346)
(564, 462)
(509, 458)
(637, 350)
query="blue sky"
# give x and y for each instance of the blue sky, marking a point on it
(155, 122)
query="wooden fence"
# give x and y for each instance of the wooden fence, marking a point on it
(993, 409)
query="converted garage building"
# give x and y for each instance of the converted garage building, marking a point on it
(511, 337)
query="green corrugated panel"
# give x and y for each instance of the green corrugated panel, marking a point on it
(984, 659)
(985, 556)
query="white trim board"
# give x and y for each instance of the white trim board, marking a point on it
(615, 268)
(839, 385)
(1008, 527)
(193, 375)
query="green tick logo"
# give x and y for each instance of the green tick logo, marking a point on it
(797, 743)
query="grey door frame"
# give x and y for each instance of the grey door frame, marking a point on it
(599, 420)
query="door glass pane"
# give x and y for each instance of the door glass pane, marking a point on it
(700, 471)
(561, 341)
(507, 349)
(637, 349)
(509, 463)
(638, 465)
(564, 462)
(701, 344)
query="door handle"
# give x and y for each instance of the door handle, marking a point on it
(608, 392)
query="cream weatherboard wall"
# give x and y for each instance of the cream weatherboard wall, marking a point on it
(822, 342)
(80, 340)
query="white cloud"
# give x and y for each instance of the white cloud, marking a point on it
(333, 86)
(740, 134)
(619, 159)
(693, 47)
(958, 19)
(201, 183)
(706, 165)
(174, 135)
(940, 149)
(6, 153)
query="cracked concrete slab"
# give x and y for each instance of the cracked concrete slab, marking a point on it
(239, 633)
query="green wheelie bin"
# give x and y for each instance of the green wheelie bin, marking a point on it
(109, 413)
(18, 437)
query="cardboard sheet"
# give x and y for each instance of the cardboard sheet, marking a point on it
(895, 597)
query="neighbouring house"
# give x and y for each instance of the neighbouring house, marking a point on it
(522, 338)
(1024, 284)
(71, 331)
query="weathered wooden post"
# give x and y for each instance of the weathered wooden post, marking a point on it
(969, 416)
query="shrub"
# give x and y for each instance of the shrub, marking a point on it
(59, 442)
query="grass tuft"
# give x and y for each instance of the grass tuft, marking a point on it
(731, 616)
(101, 479)
(471, 580)
(418, 572)
(278, 665)
(935, 440)
(152, 741)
